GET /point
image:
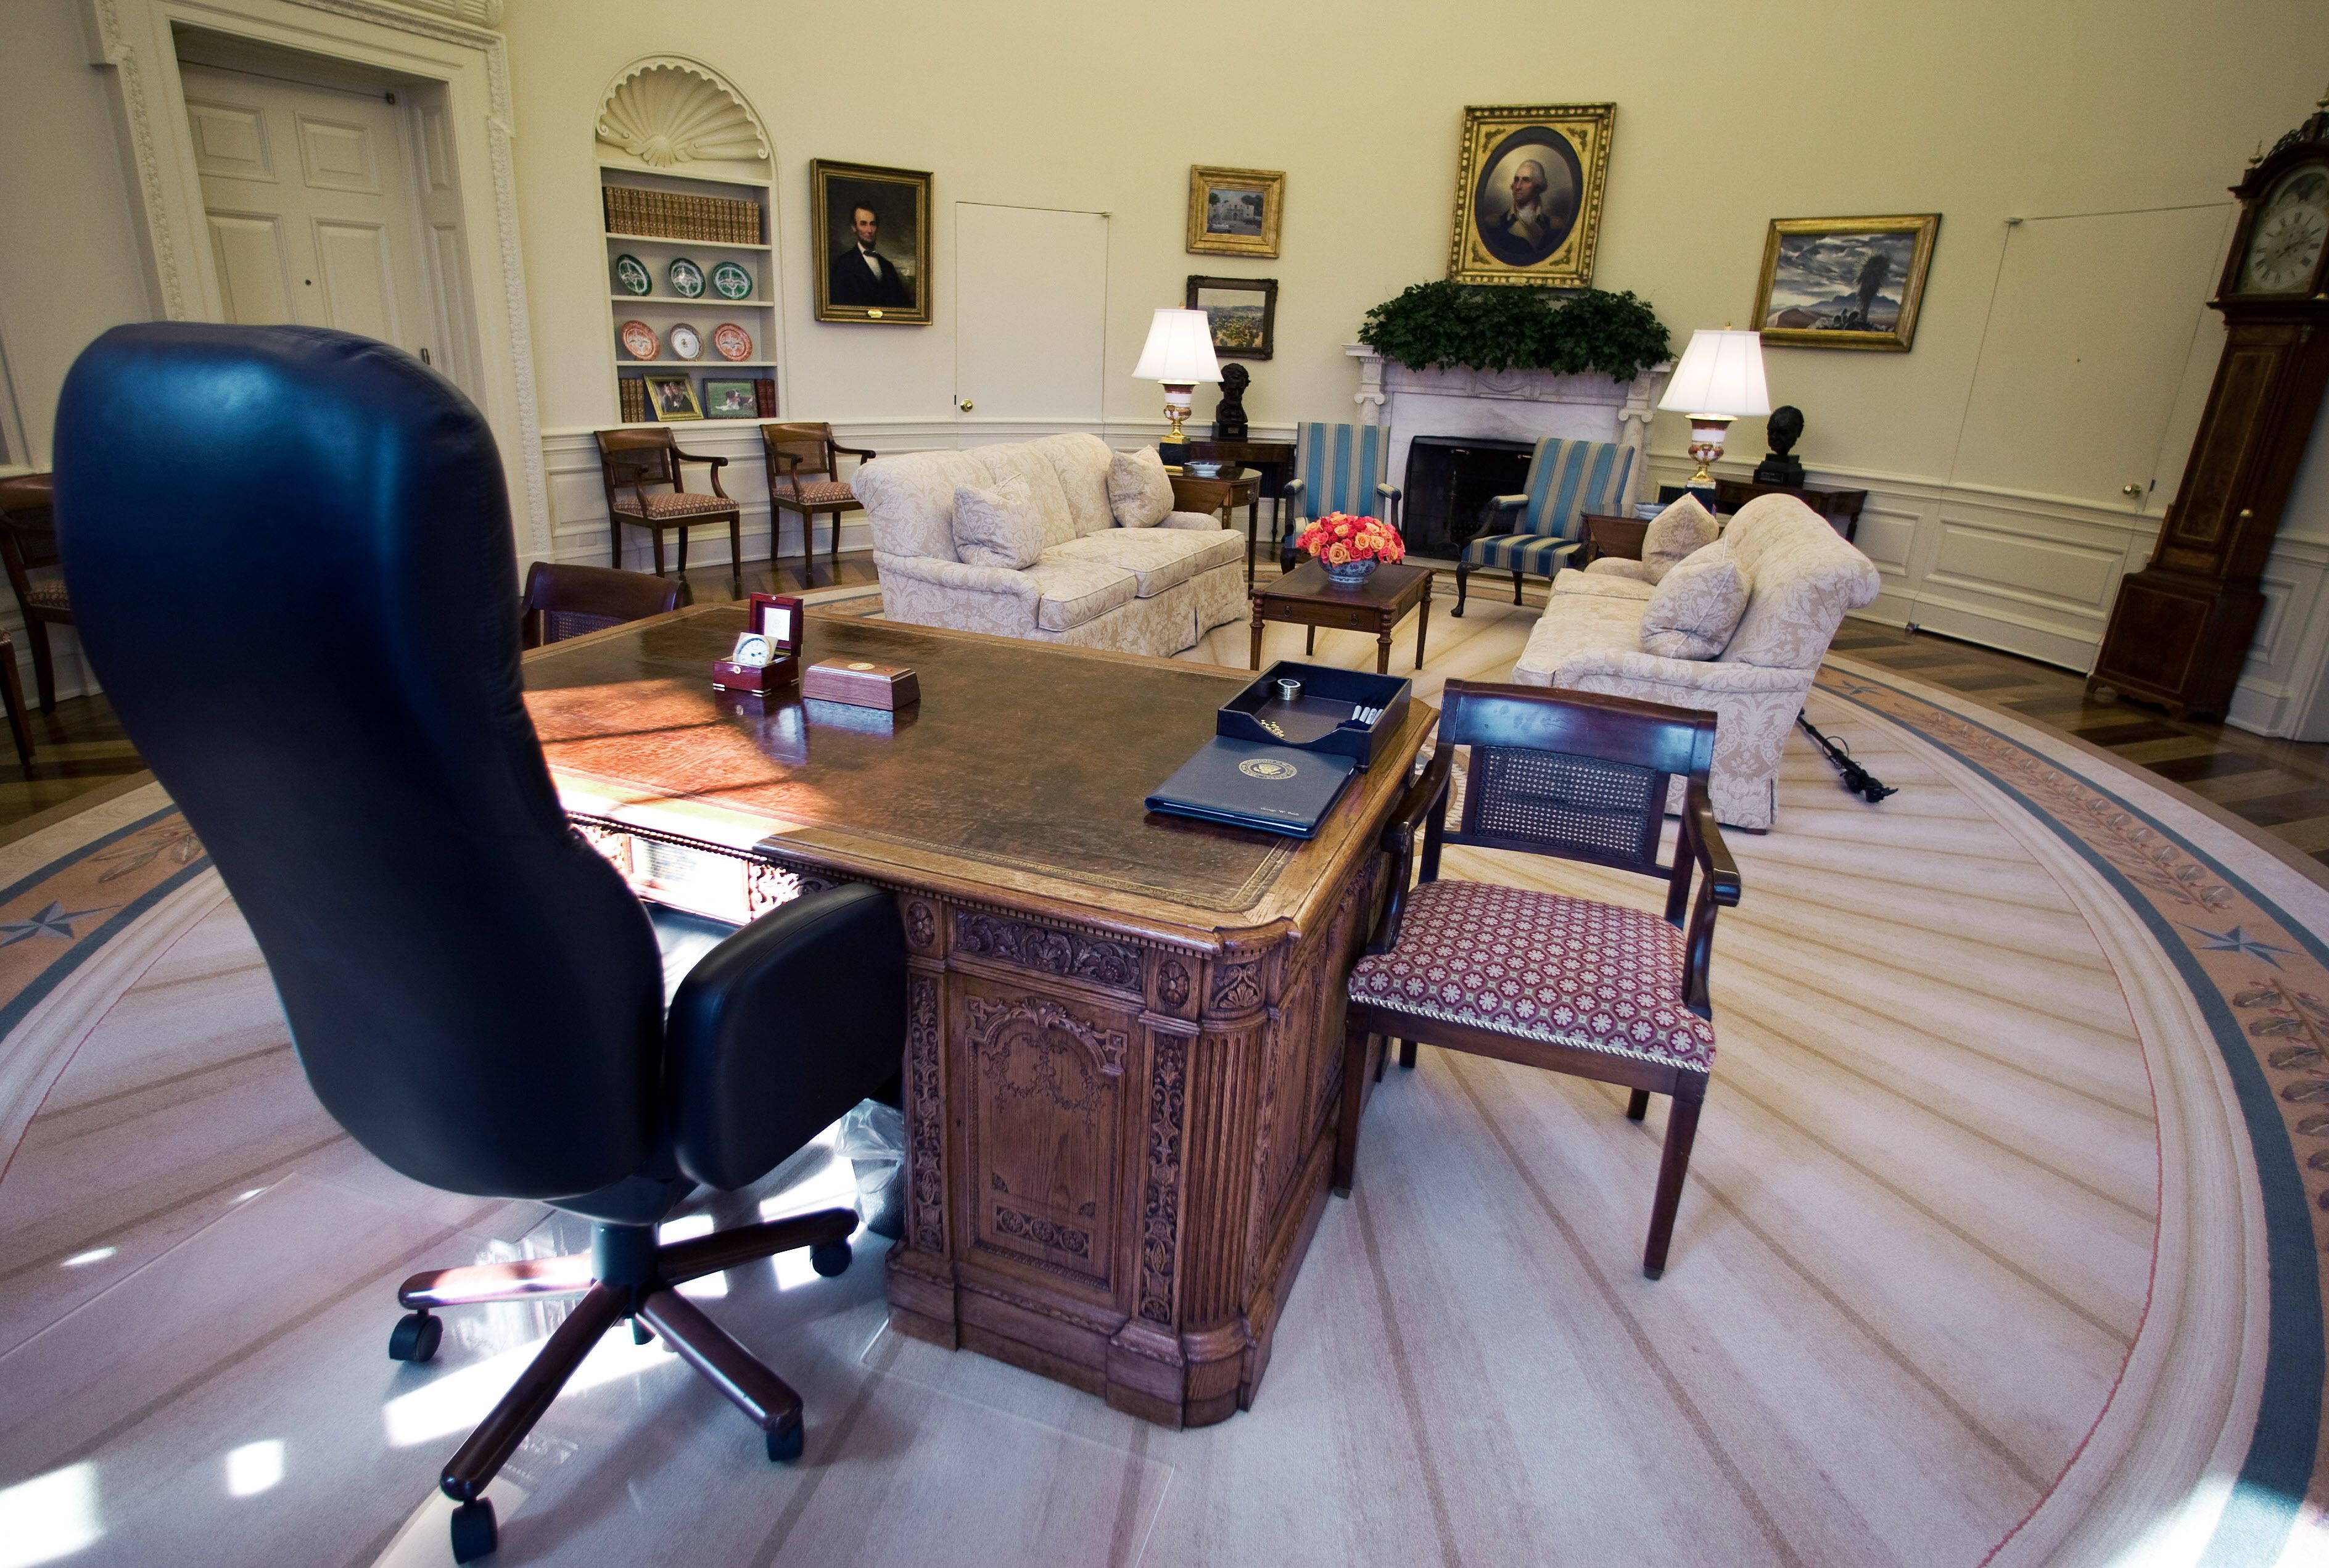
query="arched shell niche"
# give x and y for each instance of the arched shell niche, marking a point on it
(665, 111)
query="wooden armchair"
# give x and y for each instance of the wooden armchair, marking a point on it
(1543, 979)
(630, 462)
(562, 601)
(28, 550)
(805, 478)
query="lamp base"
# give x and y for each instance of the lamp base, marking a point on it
(1172, 452)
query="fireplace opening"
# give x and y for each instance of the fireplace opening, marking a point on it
(1450, 480)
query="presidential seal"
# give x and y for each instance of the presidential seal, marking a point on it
(1266, 768)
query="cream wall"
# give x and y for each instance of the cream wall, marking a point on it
(1727, 118)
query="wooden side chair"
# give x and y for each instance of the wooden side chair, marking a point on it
(12, 692)
(1543, 979)
(28, 550)
(630, 462)
(1337, 469)
(564, 601)
(1538, 531)
(805, 479)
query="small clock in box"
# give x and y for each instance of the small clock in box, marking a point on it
(766, 655)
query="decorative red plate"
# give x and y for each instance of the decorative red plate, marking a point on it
(732, 341)
(639, 340)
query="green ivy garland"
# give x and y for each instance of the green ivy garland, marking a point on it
(1484, 326)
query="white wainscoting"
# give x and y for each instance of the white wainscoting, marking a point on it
(2036, 575)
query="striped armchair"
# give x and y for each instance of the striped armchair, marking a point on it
(1337, 469)
(1542, 529)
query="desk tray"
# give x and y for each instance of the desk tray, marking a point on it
(1319, 720)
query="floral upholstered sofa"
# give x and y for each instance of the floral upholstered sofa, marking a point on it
(1799, 578)
(1152, 588)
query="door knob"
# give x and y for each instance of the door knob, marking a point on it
(2130, 491)
(966, 405)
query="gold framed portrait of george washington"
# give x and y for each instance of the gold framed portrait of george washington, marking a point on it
(1528, 193)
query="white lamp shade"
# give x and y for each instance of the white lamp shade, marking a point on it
(1721, 372)
(1180, 349)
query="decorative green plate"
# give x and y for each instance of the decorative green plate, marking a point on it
(686, 278)
(632, 277)
(732, 281)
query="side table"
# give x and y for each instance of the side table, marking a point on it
(1307, 597)
(1222, 495)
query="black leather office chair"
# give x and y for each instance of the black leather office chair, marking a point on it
(295, 586)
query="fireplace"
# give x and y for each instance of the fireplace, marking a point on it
(1448, 484)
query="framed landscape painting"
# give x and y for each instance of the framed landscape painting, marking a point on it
(1234, 212)
(1242, 311)
(873, 235)
(1528, 193)
(1845, 282)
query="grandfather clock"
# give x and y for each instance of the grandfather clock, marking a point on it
(2180, 630)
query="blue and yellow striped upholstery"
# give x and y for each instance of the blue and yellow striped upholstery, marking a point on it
(1533, 553)
(1339, 467)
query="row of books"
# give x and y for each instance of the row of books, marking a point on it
(668, 215)
(639, 409)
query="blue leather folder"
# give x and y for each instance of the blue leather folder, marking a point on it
(1246, 784)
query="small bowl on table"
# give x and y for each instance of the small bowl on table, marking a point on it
(1201, 470)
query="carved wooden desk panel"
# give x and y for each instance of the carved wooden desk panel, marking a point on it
(1125, 1033)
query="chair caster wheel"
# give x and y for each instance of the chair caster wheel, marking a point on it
(640, 1332)
(785, 1443)
(474, 1534)
(416, 1337)
(830, 1259)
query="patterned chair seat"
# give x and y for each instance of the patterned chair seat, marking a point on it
(680, 503)
(1541, 966)
(815, 493)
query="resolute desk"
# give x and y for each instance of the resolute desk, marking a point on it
(1123, 1054)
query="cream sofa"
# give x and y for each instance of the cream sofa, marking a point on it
(1144, 590)
(1802, 577)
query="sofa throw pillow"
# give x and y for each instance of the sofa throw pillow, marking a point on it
(1000, 525)
(1696, 606)
(1139, 491)
(1676, 534)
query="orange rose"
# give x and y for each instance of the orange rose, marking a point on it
(1337, 555)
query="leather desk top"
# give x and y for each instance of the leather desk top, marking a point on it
(1022, 768)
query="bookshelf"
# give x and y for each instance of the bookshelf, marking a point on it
(655, 219)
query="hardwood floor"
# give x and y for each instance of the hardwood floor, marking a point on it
(2280, 786)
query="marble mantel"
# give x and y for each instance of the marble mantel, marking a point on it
(1520, 405)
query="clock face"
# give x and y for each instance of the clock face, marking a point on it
(2291, 227)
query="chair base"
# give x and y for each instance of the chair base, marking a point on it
(1464, 571)
(624, 1276)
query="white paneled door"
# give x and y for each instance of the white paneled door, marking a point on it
(1030, 315)
(314, 214)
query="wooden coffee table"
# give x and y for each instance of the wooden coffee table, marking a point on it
(1306, 596)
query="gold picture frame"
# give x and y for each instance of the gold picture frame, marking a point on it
(670, 397)
(1824, 281)
(1234, 212)
(847, 288)
(1505, 232)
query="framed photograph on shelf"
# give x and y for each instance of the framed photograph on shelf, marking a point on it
(730, 399)
(672, 398)
(1234, 212)
(1528, 193)
(872, 229)
(1242, 311)
(1845, 282)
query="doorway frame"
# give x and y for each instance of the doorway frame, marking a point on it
(133, 42)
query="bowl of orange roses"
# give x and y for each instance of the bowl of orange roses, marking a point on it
(1349, 548)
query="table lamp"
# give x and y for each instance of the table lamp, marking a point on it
(1180, 353)
(1719, 378)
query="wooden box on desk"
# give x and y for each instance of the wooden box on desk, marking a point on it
(862, 683)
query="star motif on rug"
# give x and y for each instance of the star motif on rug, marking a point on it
(2238, 940)
(55, 920)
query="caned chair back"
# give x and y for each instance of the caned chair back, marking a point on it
(628, 458)
(1567, 478)
(564, 601)
(1339, 467)
(1571, 774)
(796, 452)
(28, 538)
